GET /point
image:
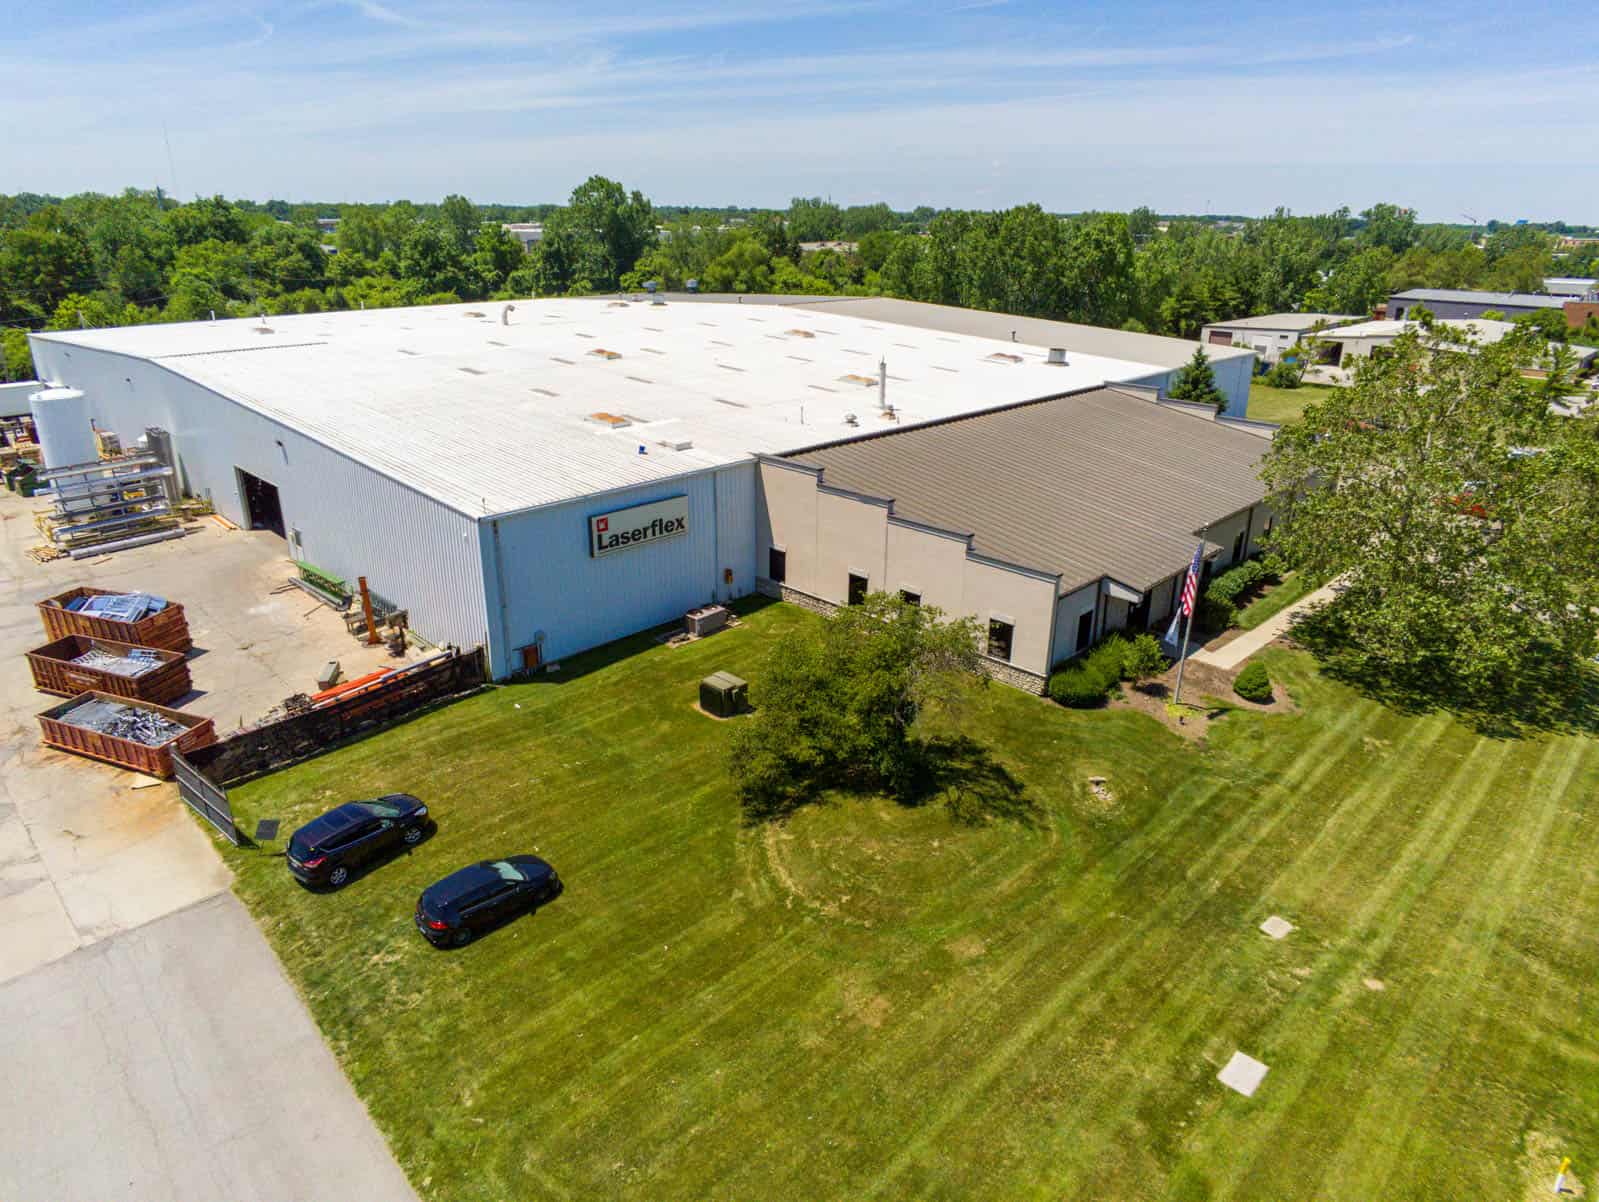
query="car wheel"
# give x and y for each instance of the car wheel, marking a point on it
(338, 877)
(412, 836)
(463, 937)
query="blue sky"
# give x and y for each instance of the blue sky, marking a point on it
(1488, 110)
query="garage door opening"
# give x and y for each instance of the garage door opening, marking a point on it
(262, 509)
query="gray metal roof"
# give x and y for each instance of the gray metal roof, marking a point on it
(1100, 483)
(1466, 296)
(1284, 321)
(1157, 350)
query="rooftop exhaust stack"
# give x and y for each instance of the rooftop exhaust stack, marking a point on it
(505, 314)
(1057, 356)
(882, 385)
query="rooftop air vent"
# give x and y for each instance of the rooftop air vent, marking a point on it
(474, 313)
(472, 371)
(1057, 356)
(600, 352)
(678, 444)
(611, 421)
(1004, 357)
(863, 381)
(657, 299)
(851, 420)
(800, 333)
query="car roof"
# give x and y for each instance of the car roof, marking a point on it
(335, 822)
(462, 881)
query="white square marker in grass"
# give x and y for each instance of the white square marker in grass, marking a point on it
(1243, 1073)
(1276, 926)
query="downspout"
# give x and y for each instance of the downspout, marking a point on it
(499, 587)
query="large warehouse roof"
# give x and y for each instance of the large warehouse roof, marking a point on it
(1104, 483)
(493, 416)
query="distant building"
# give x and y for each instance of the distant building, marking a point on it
(1375, 337)
(1270, 334)
(528, 233)
(328, 225)
(1465, 303)
(1572, 287)
(843, 248)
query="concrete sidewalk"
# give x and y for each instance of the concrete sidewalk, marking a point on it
(1229, 655)
(174, 1063)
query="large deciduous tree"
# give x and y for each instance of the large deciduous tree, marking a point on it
(1462, 514)
(838, 703)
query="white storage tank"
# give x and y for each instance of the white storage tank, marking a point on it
(66, 435)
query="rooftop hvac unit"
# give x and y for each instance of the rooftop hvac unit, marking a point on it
(724, 695)
(1057, 356)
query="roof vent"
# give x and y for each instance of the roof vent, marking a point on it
(473, 313)
(678, 444)
(602, 353)
(863, 381)
(611, 421)
(657, 299)
(800, 333)
(1004, 357)
(505, 314)
(1057, 356)
(851, 420)
(692, 285)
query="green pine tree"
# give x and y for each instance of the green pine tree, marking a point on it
(1197, 383)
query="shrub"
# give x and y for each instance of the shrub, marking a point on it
(1236, 581)
(1108, 660)
(1078, 686)
(1253, 684)
(1273, 565)
(1144, 658)
(1216, 614)
(1284, 374)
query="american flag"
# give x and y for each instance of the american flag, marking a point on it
(1191, 585)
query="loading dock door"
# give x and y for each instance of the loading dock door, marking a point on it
(262, 509)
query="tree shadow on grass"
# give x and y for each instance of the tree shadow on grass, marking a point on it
(1547, 694)
(974, 786)
(955, 771)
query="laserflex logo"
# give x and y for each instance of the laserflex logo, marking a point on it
(624, 529)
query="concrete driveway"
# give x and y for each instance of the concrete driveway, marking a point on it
(150, 1046)
(88, 850)
(175, 1063)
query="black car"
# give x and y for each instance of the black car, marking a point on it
(484, 895)
(327, 850)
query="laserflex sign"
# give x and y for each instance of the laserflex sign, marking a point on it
(637, 526)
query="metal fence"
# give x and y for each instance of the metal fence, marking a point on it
(205, 798)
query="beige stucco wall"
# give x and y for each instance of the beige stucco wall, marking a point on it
(1067, 614)
(828, 535)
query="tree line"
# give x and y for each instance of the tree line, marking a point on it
(95, 260)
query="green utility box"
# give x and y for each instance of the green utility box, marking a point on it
(724, 694)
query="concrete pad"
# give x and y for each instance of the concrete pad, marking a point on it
(1243, 1073)
(176, 1062)
(1277, 927)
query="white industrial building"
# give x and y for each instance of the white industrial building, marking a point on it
(1270, 334)
(542, 477)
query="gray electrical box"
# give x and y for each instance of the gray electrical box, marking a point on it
(724, 694)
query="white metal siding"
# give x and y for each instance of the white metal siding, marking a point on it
(552, 584)
(352, 520)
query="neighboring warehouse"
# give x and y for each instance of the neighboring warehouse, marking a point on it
(1373, 337)
(547, 476)
(1051, 523)
(1272, 333)
(1462, 303)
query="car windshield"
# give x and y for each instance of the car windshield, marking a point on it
(508, 871)
(383, 809)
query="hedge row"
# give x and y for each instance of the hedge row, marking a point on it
(1093, 678)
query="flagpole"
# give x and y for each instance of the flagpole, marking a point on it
(1188, 626)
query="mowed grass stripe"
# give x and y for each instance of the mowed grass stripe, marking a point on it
(1184, 996)
(1474, 914)
(1255, 1155)
(1061, 991)
(1111, 960)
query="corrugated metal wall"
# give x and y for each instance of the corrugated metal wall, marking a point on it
(548, 582)
(352, 520)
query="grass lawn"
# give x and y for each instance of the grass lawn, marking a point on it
(1294, 586)
(873, 1001)
(1282, 405)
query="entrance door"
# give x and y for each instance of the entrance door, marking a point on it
(1138, 615)
(1085, 632)
(262, 509)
